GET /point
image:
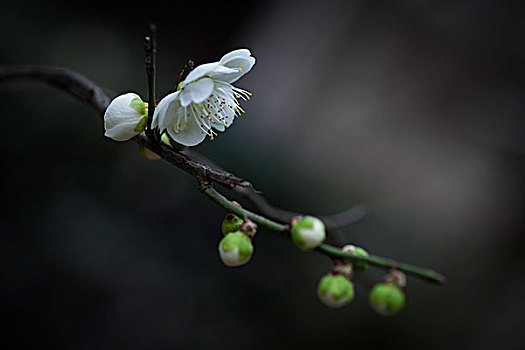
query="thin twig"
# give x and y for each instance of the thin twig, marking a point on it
(328, 250)
(261, 205)
(150, 46)
(63, 79)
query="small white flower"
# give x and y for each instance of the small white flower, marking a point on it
(206, 99)
(308, 232)
(125, 117)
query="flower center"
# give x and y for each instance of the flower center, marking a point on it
(217, 111)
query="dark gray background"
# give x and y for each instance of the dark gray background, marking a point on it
(412, 107)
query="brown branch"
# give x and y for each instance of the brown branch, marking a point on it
(261, 205)
(85, 90)
(63, 79)
(191, 162)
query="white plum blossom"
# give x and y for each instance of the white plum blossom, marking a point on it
(205, 100)
(125, 117)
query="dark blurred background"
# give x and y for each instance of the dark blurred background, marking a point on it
(415, 108)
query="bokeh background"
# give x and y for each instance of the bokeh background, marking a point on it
(415, 108)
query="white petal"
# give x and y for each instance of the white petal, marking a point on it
(218, 126)
(122, 132)
(200, 90)
(185, 98)
(191, 135)
(234, 54)
(200, 71)
(241, 65)
(160, 116)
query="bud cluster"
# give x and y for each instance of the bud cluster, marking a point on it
(236, 248)
(335, 289)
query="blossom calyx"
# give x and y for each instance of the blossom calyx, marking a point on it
(386, 299)
(396, 277)
(235, 249)
(125, 117)
(335, 290)
(352, 249)
(307, 232)
(248, 227)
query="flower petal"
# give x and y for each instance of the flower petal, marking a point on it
(161, 116)
(185, 98)
(122, 132)
(200, 71)
(191, 135)
(235, 54)
(240, 64)
(200, 90)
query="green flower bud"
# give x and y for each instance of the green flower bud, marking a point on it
(358, 265)
(386, 299)
(307, 232)
(235, 249)
(231, 223)
(146, 153)
(335, 290)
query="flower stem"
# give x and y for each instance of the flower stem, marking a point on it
(420, 272)
(281, 230)
(325, 249)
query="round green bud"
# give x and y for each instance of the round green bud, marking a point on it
(235, 249)
(146, 153)
(335, 290)
(386, 299)
(358, 265)
(231, 223)
(307, 232)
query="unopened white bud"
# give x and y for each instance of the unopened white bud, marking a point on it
(125, 117)
(308, 232)
(335, 290)
(235, 249)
